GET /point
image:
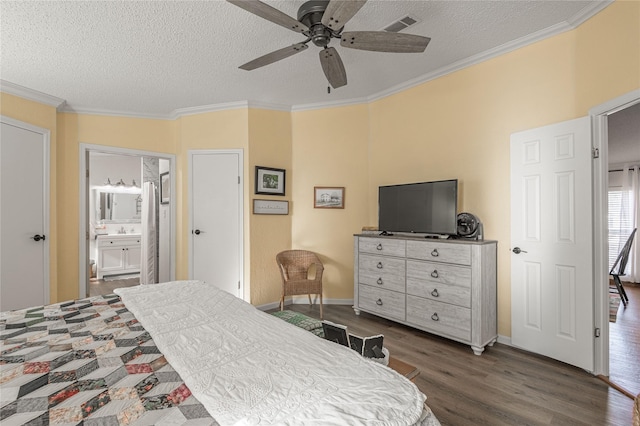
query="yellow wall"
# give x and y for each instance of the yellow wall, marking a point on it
(213, 130)
(269, 146)
(330, 149)
(457, 126)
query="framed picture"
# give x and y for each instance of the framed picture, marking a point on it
(326, 197)
(335, 332)
(270, 207)
(270, 181)
(165, 186)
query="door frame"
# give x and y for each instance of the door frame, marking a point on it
(83, 240)
(599, 127)
(241, 202)
(46, 196)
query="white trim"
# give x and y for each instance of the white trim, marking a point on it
(190, 154)
(506, 340)
(570, 24)
(181, 112)
(30, 94)
(599, 119)
(304, 301)
(112, 113)
(46, 196)
(84, 219)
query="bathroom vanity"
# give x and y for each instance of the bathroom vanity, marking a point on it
(118, 254)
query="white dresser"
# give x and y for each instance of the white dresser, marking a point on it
(444, 287)
(118, 254)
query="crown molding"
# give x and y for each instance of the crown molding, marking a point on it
(543, 34)
(333, 104)
(30, 94)
(568, 25)
(112, 113)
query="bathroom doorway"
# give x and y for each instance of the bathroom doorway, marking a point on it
(128, 230)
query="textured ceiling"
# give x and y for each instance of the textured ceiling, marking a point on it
(156, 58)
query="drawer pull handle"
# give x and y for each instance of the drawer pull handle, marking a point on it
(379, 302)
(435, 293)
(434, 274)
(379, 247)
(379, 266)
(435, 253)
(435, 317)
(379, 281)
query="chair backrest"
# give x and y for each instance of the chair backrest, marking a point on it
(295, 264)
(623, 256)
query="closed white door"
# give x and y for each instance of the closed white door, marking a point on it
(216, 212)
(24, 204)
(551, 242)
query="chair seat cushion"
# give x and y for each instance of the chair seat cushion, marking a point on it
(300, 320)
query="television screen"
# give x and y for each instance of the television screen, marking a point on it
(426, 207)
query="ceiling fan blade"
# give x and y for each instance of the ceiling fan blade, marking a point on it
(270, 13)
(382, 41)
(333, 67)
(275, 56)
(338, 12)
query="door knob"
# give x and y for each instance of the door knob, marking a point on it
(38, 237)
(197, 232)
(517, 250)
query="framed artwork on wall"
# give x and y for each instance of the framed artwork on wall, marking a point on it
(270, 181)
(270, 207)
(165, 185)
(328, 197)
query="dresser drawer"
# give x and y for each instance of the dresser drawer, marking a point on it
(441, 318)
(439, 252)
(439, 281)
(385, 246)
(386, 303)
(381, 271)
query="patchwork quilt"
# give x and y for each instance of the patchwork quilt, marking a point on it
(187, 353)
(88, 362)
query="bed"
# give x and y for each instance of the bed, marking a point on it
(187, 353)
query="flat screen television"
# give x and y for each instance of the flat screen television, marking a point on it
(425, 207)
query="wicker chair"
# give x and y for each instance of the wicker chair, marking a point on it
(295, 266)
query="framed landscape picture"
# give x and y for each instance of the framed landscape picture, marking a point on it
(270, 181)
(328, 197)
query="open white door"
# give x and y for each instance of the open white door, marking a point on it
(551, 242)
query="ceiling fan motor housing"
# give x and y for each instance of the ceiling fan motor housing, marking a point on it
(310, 14)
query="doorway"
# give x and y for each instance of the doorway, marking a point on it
(111, 211)
(600, 123)
(623, 153)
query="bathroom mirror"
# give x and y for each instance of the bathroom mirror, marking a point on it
(118, 207)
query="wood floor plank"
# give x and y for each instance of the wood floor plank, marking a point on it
(503, 386)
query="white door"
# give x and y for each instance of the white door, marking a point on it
(551, 242)
(24, 204)
(216, 212)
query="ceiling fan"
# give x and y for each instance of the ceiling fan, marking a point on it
(322, 20)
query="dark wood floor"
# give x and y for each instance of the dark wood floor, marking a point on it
(624, 343)
(503, 386)
(99, 287)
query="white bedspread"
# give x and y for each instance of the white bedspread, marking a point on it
(248, 367)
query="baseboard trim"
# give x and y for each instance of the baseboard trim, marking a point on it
(304, 300)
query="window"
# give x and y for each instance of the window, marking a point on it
(620, 221)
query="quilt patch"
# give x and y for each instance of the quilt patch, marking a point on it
(88, 362)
